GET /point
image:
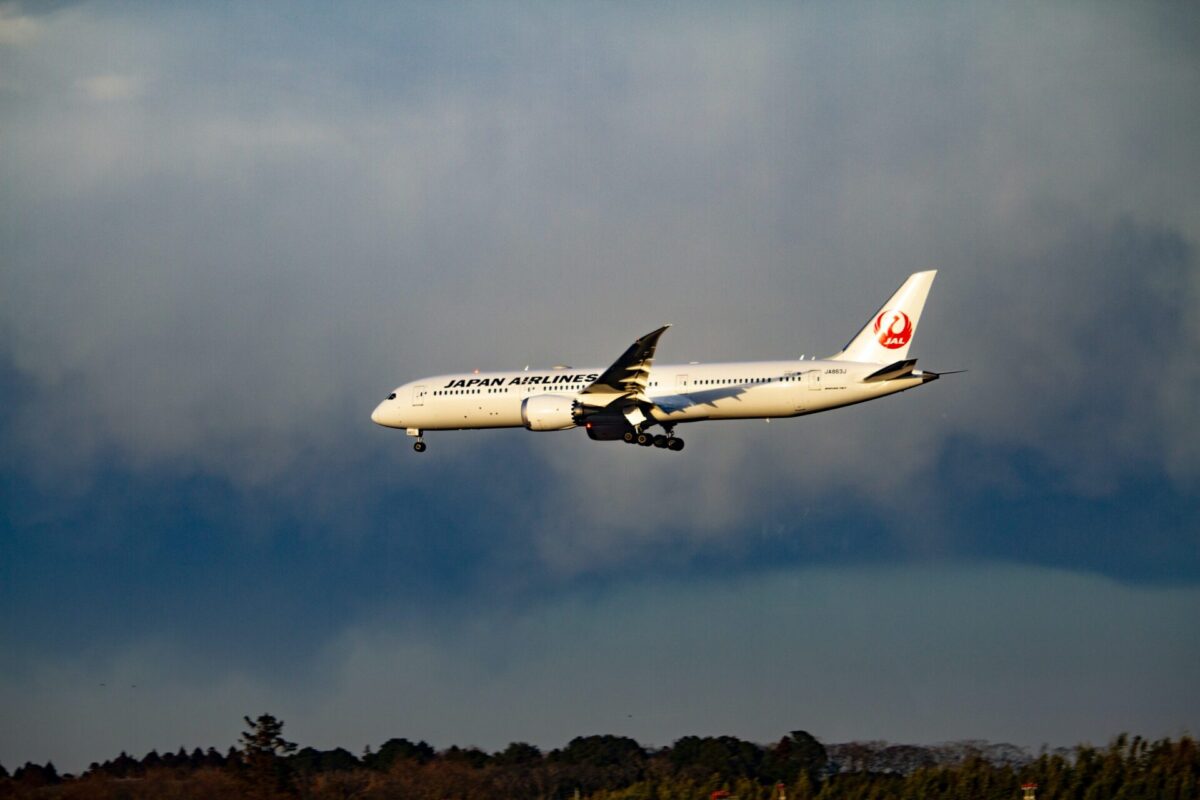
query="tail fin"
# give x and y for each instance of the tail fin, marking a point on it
(886, 336)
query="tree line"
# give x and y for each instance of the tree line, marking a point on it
(797, 767)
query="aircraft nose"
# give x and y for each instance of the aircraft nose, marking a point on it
(388, 413)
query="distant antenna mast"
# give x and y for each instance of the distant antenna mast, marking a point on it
(1030, 790)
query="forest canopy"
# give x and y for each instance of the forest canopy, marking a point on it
(605, 767)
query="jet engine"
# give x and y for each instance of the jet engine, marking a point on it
(548, 412)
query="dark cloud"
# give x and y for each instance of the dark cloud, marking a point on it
(225, 235)
(903, 654)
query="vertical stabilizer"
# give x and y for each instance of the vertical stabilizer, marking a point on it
(886, 336)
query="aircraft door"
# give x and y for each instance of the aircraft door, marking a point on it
(681, 383)
(418, 398)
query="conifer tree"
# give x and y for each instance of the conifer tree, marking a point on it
(151, 760)
(262, 747)
(213, 758)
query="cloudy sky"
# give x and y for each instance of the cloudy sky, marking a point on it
(227, 230)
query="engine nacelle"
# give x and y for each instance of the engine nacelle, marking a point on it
(548, 412)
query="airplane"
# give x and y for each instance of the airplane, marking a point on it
(622, 402)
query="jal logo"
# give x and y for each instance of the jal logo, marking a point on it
(893, 328)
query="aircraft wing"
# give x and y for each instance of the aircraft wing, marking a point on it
(629, 375)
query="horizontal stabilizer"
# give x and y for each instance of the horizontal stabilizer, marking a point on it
(892, 371)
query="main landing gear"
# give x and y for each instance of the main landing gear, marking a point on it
(663, 441)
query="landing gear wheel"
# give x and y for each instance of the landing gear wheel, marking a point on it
(645, 439)
(660, 441)
(628, 436)
(419, 447)
(675, 444)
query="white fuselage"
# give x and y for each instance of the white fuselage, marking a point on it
(682, 392)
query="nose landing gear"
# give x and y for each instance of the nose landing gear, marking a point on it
(419, 444)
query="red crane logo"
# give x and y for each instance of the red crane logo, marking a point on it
(894, 328)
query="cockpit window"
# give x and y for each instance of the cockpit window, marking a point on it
(392, 396)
